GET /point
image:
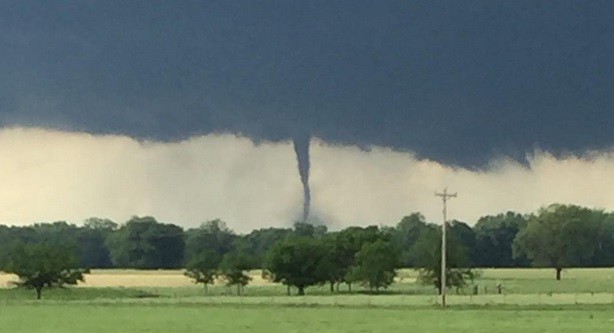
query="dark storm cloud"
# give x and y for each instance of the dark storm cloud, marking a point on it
(459, 82)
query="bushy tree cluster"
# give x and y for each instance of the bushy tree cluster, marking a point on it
(557, 236)
(144, 243)
(560, 236)
(43, 265)
(353, 255)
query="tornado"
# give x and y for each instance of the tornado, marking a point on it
(301, 148)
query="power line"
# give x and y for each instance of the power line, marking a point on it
(444, 196)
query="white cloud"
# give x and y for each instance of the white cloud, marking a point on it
(382, 185)
(50, 175)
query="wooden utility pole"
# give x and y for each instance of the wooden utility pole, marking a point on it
(444, 196)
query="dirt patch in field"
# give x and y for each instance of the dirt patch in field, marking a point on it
(5, 280)
(135, 280)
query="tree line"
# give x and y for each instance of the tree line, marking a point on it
(557, 236)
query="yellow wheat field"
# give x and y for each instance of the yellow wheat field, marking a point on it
(135, 278)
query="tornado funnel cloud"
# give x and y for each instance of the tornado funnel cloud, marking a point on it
(301, 147)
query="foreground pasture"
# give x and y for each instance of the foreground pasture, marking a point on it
(67, 317)
(166, 301)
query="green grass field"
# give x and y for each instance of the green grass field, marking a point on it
(532, 301)
(197, 318)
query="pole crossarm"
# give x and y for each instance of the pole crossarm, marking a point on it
(444, 197)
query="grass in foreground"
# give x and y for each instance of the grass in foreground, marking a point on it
(532, 302)
(67, 317)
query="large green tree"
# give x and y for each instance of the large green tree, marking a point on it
(298, 262)
(203, 268)
(495, 236)
(604, 254)
(260, 241)
(334, 266)
(406, 234)
(92, 241)
(560, 236)
(463, 233)
(426, 254)
(40, 265)
(212, 238)
(88, 242)
(235, 268)
(348, 242)
(145, 243)
(375, 264)
(5, 241)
